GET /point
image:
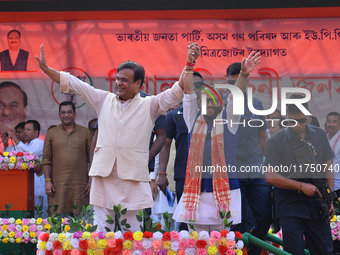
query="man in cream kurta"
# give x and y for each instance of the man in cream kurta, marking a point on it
(120, 164)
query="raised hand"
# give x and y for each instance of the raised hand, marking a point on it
(193, 52)
(41, 60)
(249, 63)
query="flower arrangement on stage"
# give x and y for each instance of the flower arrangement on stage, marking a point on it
(129, 243)
(335, 227)
(20, 161)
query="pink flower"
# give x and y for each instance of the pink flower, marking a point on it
(26, 240)
(66, 221)
(45, 221)
(181, 252)
(101, 235)
(33, 228)
(5, 221)
(25, 221)
(338, 225)
(147, 252)
(216, 235)
(181, 245)
(230, 252)
(174, 235)
(11, 227)
(157, 244)
(94, 234)
(26, 153)
(127, 252)
(212, 241)
(334, 231)
(338, 237)
(57, 252)
(30, 157)
(111, 242)
(138, 245)
(201, 251)
(191, 243)
(231, 244)
(18, 234)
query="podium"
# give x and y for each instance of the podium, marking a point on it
(17, 187)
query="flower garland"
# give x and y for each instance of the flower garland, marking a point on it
(139, 243)
(335, 227)
(17, 160)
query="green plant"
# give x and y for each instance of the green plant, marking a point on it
(118, 224)
(192, 225)
(148, 226)
(168, 221)
(225, 217)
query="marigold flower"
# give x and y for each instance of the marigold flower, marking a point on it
(4, 227)
(11, 234)
(47, 226)
(102, 244)
(167, 245)
(18, 240)
(194, 235)
(126, 245)
(39, 221)
(110, 235)
(25, 228)
(92, 244)
(212, 250)
(33, 235)
(138, 235)
(5, 240)
(18, 222)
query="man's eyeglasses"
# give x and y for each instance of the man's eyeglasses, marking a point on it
(301, 121)
(66, 112)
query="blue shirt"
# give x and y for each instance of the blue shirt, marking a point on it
(159, 123)
(290, 203)
(177, 129)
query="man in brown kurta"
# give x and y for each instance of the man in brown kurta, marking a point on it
(67, 150)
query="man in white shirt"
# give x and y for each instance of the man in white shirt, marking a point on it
(333, 133)
(19, 132)
(35, 145)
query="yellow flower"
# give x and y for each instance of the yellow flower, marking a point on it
(167, 245)
(91, 252)
(127, 244)
(39, 221)
(102, 243)
(212, 250)
(5, 240)
(110, 235)
(88, 225)
(67, 228)
(42, 245)
(194, 235)
(100, 252)
(223, 241)
(4, 227)
(6, 153)
(238, 252)
(11, 234)
(33, 235)
(92, 244)
(12, 159)
(334, 218)
(62, 220)
(18, 222)
(0, 234)
(86, 235)
(67, 245)
(171, 252)
(18, 240)
(47, 226)
(25, 228)
(24, 166)
(138, 235)
(61, 237)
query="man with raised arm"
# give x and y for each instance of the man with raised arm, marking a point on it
(120, 162)
(212, 145)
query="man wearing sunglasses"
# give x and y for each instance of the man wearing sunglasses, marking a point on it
(298, 211)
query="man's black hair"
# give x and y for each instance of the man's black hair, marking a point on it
(89, 124)
(200, 83)
(315, 121)
(7, 84)
(138, 70)
(234, 68)
(333, 114)
(21, 125)
(67, 103)
(292, 108)
(276, 110)
(13, 31)
(36, 125)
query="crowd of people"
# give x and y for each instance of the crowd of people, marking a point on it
(112, 161)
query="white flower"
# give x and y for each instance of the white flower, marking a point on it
(11, 220)
(53, 237)
(190, 251)
(33, 240)
(333, 237)
(147, 244)
(49, 245)
(11, 166)
(118, 235)
(339, 232)
(0, 221)
(69, 236)
(333, 225)
(6, 159)
(32, 221)
(75, 243)
(25, 235)
(40, 228)
(231, 236)
(174, 246)
(338, 218)
(203, 235)
(183, 235)
(5, 233)
(41, 252)
(137, 252)
(12, 240)
(18, 227)
(239, 245)
(157, 235)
